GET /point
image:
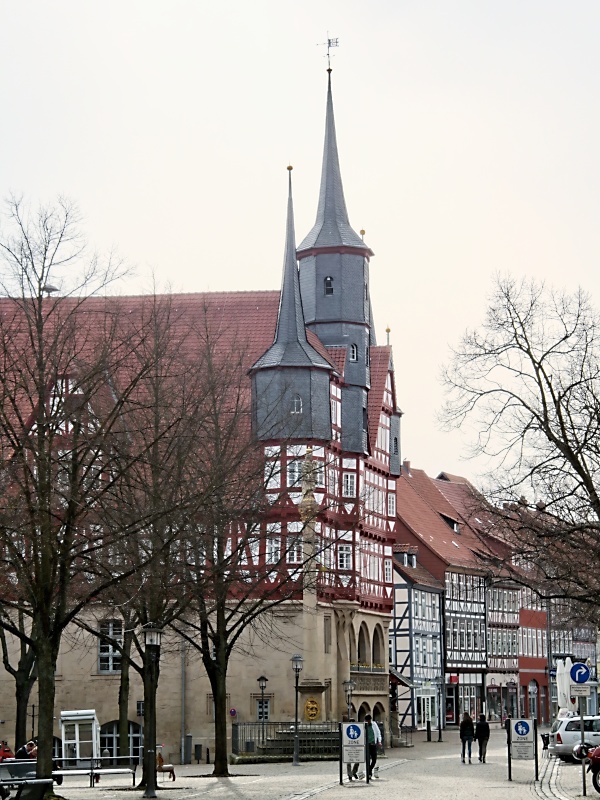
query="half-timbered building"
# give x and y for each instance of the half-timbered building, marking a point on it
(320, 384)
(416, 642)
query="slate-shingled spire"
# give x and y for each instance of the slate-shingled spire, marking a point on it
(290, 382)
(290, 347)
(332, 227)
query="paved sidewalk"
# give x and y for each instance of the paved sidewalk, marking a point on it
(427, 771)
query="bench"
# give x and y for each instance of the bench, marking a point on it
(27, 788)
(96, 773)
(168, 769)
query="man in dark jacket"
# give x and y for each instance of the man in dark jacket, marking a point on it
(482, 734)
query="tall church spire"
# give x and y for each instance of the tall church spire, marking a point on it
(290, 347)
(332, 227)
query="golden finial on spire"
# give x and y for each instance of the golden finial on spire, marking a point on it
(290, 168)
(387, 331)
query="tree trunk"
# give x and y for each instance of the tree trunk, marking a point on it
(123, 749)
(23, 687)
(46, 658)
(219, 689)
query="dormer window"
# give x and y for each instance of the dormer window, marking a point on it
(353, 352)
(329, 285)
(296, 404)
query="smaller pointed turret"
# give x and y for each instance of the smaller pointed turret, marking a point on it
(290, 347)
(290, 381)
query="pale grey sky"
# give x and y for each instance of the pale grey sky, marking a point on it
(468, 134)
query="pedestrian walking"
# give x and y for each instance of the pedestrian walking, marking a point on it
(482, 734)
(373, 739)
(467, 734)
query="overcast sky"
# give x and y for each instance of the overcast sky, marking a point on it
(468, 134)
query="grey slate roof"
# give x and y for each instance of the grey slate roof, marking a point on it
(332, 227)
(290, 347)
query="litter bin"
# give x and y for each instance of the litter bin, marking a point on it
(198, 752)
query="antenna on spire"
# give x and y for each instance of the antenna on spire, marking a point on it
(329, 44)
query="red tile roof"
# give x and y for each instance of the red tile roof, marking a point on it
(381, 359)
(417, 507)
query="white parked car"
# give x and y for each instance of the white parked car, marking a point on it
(565, 733)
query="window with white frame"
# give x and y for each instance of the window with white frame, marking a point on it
(294, 473)
(388, 570)
(109, 656)
(273, 544)
(391, 504)
(296, 407)
(349, 484)
(353, 352)
(344, 556)
(295, 543)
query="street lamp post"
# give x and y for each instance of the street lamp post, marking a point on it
(349, 687)
(297, 664)
(262, 685)
(152, 639)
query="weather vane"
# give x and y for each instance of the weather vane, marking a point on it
(329, 44)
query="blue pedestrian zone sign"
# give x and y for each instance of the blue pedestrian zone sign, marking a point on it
(522, 728)
(353, 732)
(580, 673)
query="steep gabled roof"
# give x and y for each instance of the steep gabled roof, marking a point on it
(457, 550)
(332, 227)
(381, 363)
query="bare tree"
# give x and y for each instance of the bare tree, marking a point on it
(239, 564)
(528, 383)
(69, 378)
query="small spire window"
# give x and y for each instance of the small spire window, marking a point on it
(353, 352)
(296, 404)
(329, 285)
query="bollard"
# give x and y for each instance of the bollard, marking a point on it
(428, 730)
(207, 756)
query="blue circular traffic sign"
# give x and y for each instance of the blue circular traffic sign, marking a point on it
(353, 732)
(522, 727)
(580, 673)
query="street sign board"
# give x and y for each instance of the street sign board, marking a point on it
(522, 744)
(582, 690)
(580, 673)
(353, 743)
(552, 672)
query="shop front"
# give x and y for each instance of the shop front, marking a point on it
(501, 698)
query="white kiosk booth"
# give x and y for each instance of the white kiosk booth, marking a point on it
(80, 733)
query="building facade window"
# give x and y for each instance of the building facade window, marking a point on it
(296, 404)
(344, 556)
(329, 285)
(109, 656)
(263, 709)
(353, 352)
(349, 484)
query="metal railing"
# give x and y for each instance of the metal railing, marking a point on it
(277, 738)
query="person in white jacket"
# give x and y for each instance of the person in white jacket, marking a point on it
(373, 739)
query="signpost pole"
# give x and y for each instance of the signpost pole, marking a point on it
(582, 700)
(535, 749)
(341, 753)
(508, 742)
